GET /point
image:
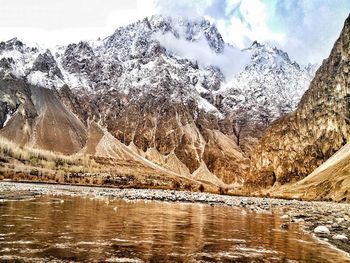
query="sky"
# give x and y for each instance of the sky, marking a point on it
(306, 29)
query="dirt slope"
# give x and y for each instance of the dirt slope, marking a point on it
(330, 181)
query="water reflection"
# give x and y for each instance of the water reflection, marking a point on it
(90, 230)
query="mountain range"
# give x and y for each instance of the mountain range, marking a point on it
(171, 95)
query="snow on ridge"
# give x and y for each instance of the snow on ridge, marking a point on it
(8, 118)
(206, 106)
(43, 80)
(151, 54)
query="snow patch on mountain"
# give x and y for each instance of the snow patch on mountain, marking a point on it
(16, 58)
(203, 104)
(7, 119)
(42, 79)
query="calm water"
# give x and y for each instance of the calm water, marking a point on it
(48, 229)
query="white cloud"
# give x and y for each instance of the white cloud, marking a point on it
(230, 62)
(85, 19)
(312, 27)
(239, 21)
(246, 21)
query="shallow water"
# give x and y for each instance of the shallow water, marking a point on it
(96, 230)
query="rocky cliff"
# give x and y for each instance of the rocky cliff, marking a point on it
(299, 142)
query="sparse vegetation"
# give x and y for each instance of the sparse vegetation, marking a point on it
(31, 164)
(38, 156)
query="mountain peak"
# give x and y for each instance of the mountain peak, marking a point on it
(255, 44)
(11, 44)
(189, 29)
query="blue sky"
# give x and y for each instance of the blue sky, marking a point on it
(306, 29)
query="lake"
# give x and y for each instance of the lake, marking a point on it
(69, 229)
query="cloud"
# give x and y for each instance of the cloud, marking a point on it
(239, 21)
(247, 21)
(62, 22)
(60, 14)
(306, 29)
(311, 27)
(230, 62)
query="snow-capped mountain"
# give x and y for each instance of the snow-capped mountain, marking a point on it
(175, 111)
(269, 86)
(132, 53)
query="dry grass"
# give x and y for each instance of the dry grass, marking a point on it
(26, 163)
(10, 149)
(30, 164)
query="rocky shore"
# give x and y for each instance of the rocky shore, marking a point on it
(330, 222)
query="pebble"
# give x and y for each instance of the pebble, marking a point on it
(339, 220)
(285, 226)
(298, 220)
(340, 237)
(321, 230)
(285, 217)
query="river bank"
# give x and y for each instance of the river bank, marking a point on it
(331, 221)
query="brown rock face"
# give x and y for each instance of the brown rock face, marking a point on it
(15, 101)
(39, 119)
(299, 142)
(330, 181)
(224, 158)
(175, 135)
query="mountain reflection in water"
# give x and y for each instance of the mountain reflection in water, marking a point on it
(93, 230)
